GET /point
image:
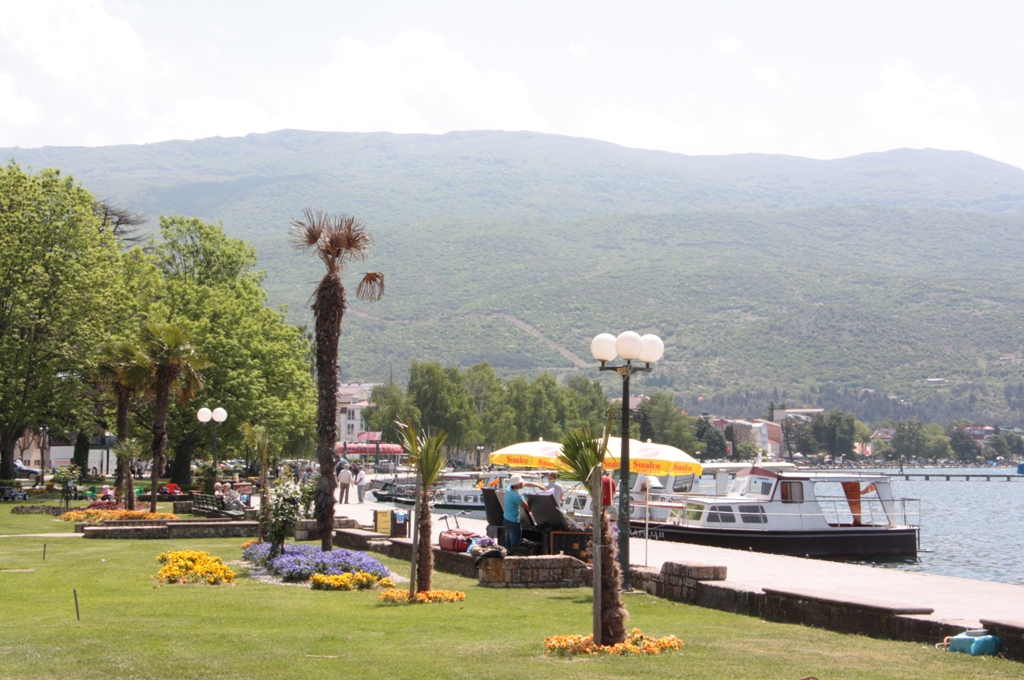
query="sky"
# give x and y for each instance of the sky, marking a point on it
(815, 79)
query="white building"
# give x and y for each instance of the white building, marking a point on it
(352, 399)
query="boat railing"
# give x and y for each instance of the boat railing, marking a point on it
(837, 511)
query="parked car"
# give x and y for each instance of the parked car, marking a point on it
(25, 472)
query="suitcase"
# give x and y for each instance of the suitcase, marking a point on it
(457, 540)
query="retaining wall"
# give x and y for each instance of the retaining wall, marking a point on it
(545, 571)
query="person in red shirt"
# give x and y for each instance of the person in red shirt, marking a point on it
(607, 493)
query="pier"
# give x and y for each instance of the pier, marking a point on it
(954, 476)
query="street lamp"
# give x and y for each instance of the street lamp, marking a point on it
(218, 415)
(629, 347)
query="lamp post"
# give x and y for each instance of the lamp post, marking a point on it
(218, 415)
(629, 347)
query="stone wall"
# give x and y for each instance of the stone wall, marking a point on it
(679, 581)
(546, 571)
(1010, 634)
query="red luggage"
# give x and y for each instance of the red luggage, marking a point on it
(457, 540)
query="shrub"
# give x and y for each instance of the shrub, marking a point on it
(636, 643)
(190, 566)
(88, 515)
(10, 483)
(360, 580)
(401, 596)
(37, 510)
(300, 562)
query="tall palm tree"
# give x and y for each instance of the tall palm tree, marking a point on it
(173, 366)
(581, 453)
(122, 370)
(426, 452)
(258, 438)
(337, 241)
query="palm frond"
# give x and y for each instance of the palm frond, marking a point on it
(258, 437)
(371, 288)
(582, 451)
(307, 232)
(425, 449)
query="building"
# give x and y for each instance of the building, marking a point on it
(353, 398)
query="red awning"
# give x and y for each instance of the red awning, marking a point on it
(368, 449)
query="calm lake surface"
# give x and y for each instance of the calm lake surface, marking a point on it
(971, 529)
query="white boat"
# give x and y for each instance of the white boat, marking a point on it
(815, 514)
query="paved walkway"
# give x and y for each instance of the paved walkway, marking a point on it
(952, 598)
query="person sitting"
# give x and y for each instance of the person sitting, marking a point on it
(232, 499)
(218, 489)
(106, 494)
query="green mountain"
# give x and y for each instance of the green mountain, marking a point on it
(837, 282)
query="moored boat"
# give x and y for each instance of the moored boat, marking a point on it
(790, 513)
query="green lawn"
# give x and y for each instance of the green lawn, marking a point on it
(132, 627)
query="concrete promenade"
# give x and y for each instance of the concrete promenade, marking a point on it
(953, 599)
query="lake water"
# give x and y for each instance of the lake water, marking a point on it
(970, 529)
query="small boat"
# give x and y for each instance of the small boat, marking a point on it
(810, 514)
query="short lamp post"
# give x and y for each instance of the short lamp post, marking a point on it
(218, 415)
(629, 347)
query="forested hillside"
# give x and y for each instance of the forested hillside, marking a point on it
(769, 277)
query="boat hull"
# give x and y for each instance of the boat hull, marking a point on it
(846, 543)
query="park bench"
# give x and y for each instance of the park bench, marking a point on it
(204, 502)
(12, 494)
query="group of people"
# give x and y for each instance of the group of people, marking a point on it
(232, 499)
(347, 476)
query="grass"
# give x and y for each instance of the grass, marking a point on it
(133, 627)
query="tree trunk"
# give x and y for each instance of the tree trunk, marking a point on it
(81, 453)
(181, 469)
(8, 438)
(425, 553)
(328, 310)
(613, 612)
(160, 407)
(124, 468)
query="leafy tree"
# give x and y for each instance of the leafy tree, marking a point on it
(908, 441)
(391, 406)
(258, 439)
(962, 444)
(589, 403)
(746, 451)
(713, 439)
(337, 241)
(174, 367)
(496, 417)
(121, 370)
(443, 401)
(671, 425)
(57, 283)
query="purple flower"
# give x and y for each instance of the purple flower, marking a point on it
(299, 562)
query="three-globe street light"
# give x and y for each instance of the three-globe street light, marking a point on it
(629, 347)
(218, 415)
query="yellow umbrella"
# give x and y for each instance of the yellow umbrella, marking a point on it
(653, 459)
(540, 454)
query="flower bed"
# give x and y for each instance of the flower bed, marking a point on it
(636, 643)
(88, 515)
(190, 566)
(300, 562)
(105, 505)
(54, 510)
(360, 580)
(401, 596)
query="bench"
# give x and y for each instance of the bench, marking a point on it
(204, 502)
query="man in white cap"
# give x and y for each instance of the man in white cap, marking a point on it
(513, 501)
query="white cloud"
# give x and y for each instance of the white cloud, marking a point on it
(904, 110)
(729, 45)
(415, 84)
(579, 52)
(15, 109)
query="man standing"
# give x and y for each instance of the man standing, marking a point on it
(555, 488)
(360, 482)
(344, 482)
(513, 501)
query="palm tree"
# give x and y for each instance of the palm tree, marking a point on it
(173, 366)
(337, 241)
(258, 438)
(121, 369)
(582, 453)
(425, 451)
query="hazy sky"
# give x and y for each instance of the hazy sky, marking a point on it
(818, 79)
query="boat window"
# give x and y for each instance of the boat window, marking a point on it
(580, 502)
(694, 511)
(721, 513)
(753, 514)
(792, 492)
(682, 483)
(759, 486)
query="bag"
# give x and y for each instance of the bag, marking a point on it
(456, 540)
(526, 548)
